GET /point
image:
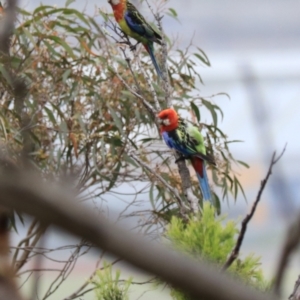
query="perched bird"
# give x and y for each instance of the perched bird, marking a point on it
(134, 25)
(186, 139)
(1, 8)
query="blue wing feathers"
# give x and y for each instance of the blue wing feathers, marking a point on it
(133, 25)
(167, 139)
(175, 143)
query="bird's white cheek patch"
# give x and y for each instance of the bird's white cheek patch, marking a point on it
(115, 2)
(166, 122)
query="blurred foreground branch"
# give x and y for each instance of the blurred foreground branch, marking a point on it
(296, 292)
(26, 192)
(290, 245)
(8, 289)
(7, 25)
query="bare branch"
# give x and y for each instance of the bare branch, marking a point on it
(291, 243)
(27, 193)
(296, 292)
(30, 233)
(65, 271)
(235, 252)
(164, 69)
(26, 252)
(187, 184)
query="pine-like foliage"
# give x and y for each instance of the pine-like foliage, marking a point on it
(109, 287)
(213, 239)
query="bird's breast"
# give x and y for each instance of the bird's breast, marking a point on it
(119, 11)
(125, 28)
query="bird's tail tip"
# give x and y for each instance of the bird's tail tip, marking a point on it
(204, 186)
(150, 50)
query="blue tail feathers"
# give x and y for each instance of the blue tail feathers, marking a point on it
(204, 185)
(150, 50)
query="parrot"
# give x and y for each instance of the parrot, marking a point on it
(185, 138)
(133, 24)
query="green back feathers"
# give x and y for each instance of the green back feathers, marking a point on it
(191, 136)
(193, 140)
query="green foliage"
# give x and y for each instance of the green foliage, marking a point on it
(213, 239)
(83, 116)
(108, 286)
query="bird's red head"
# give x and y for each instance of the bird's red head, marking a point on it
(168, 119)
(118, 7)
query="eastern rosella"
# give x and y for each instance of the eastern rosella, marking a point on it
(186, 139)
(134, 25)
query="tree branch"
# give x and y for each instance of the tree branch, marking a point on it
(26, 252)
(186, 184)
(291, 242)
(296, 292)
(52, 205)
(235, 252)
(7, 26)
(164, 68)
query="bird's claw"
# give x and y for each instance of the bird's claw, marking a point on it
(133, 47)
(180, 159)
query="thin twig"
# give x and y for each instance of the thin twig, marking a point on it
(30, 233)
(65, 271)
(38, 262)
(23, 259)
(235, 252)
